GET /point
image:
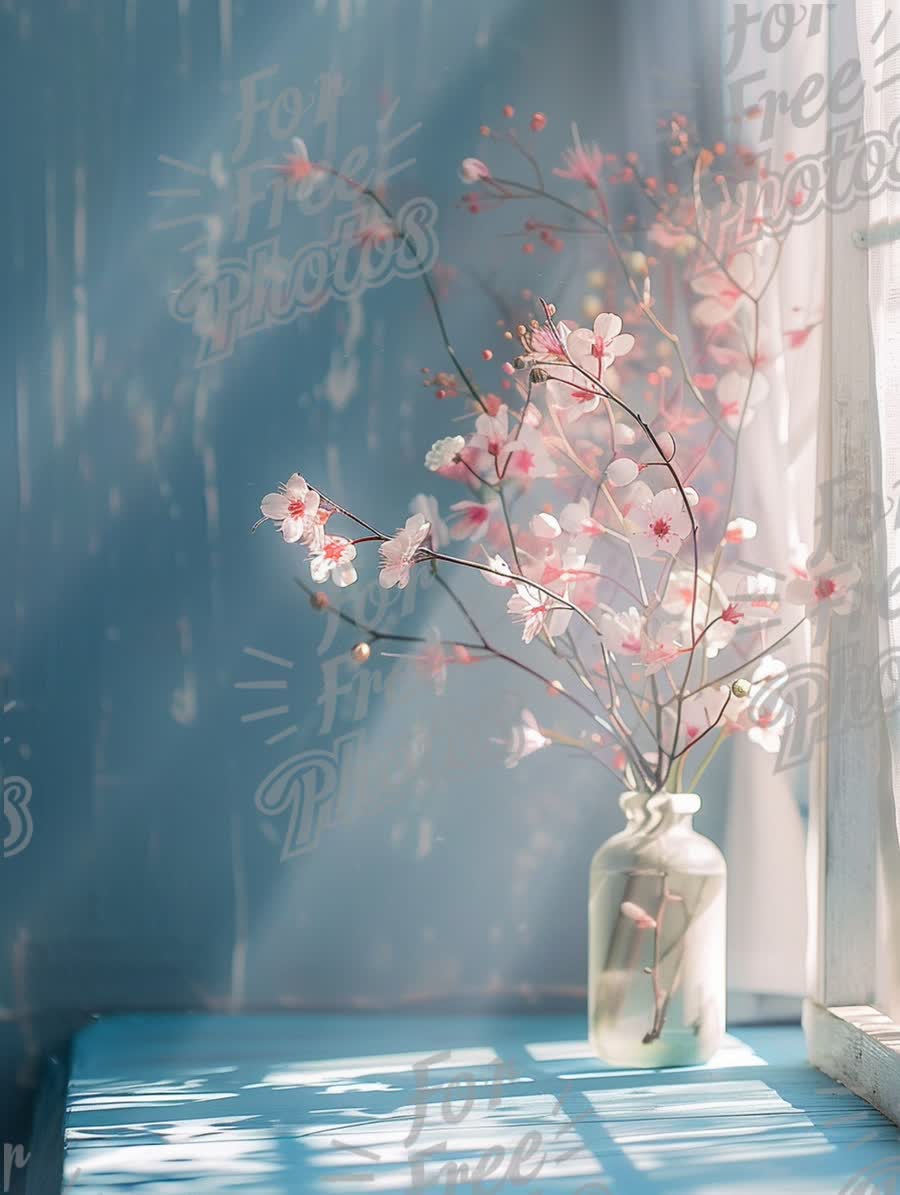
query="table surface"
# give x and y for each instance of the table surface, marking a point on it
(347, 1103)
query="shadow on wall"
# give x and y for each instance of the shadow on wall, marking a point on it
(153, 650)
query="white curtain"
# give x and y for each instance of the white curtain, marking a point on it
(776, 486)
(878, 37)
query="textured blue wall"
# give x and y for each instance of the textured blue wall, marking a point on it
(131, 586)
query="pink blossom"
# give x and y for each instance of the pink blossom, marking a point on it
(583, 163)
(624, 633)
(332, 558)
(545, 526)
(400, 552)
(498, 565)
(525, 457)
(722, 292)
(755, 595)
(661, 526)
(823, 588)
(627, 634)
(537, 612)
(443, 453)
(302, 175)
(295, 511)
(375, 232)
(547, 343)
(671, 236)
(739, 531)
(427, 506)
(471, 520)
(525, 739)
(736, 391)
(570, 390)
(576, 519)
(473, 170)
(659, 650)
(764, 715)
(698, 713)
(491, 435)
(520, 454)
(710, 629)
(597, 350)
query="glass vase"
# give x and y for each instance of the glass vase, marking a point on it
(656, 986)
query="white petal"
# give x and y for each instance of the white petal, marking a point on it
(622, 344)
(319, 569)
(545, 526)
(296, 486)
(622, 471)
(344, 575)
(274, 506)
(292, 530)
(607, 325)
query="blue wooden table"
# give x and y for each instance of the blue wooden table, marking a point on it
(343, 1103)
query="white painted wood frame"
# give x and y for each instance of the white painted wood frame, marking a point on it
(847, 1036)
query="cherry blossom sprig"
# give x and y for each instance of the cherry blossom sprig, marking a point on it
(565, 427)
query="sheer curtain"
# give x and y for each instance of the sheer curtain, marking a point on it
(878, 36)
(776, 484)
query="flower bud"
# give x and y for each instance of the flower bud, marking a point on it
(472, 170)
(361, 652)
(519, 363)
(621, 471)
(741, 688)
(319, 601)
(538, 375)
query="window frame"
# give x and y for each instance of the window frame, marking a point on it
(848, 1035)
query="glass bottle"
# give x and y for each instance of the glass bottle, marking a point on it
(656, 984)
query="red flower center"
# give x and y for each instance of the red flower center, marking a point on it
(825, 588)
(334, 550)
(523, 460)
(661, 528)
(296, 508)
(296, 169)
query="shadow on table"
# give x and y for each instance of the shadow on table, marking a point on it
(472, 1106)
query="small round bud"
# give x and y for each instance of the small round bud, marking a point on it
(538, 122)
(521, 329)
(519, 363)
(551, 309)
(361, 652)
(741, 688)
(486, 354)
(319, 601)
(538, 375)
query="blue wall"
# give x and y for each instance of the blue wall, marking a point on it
(132, 588)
